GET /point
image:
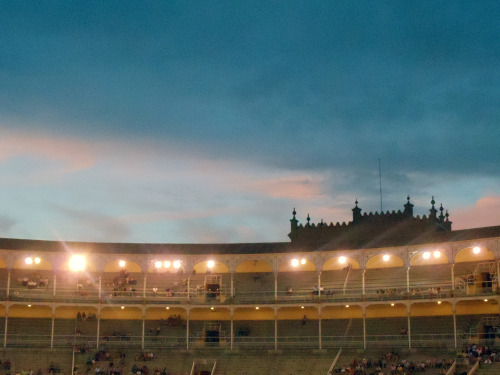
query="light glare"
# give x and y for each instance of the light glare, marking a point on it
(386, 257)
(77, 263)
(210, 264)
(437, 254)
(166, 264)
(342, 259)
(122, 263)
(426, 255)
(177, 264)
(295, 262)
(476, 250)
(28, 260)
(158, 264)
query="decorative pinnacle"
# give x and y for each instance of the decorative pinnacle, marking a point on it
(441, 208)
(356, 202)
(294, 213)
(308, 218)
(433, 201)
(408, 198)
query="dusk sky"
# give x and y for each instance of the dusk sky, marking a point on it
(201, 121)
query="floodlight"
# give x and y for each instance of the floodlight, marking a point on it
(77, 263)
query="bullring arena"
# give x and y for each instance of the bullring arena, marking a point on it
(386, 289)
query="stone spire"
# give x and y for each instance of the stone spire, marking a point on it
(356, 213)
(408, 207)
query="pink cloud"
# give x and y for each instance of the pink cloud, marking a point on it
(484, 213)
(72, 155)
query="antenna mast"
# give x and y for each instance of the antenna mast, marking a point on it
(380, 183)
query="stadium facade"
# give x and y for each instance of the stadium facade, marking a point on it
(383, 279)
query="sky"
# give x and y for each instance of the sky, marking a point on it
(209, 121)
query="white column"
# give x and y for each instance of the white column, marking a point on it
(453, 278)
(232, 328)
(98, 327)
(5, 332)
(275, 286)
(232, 286)
(187, 331)
(143, 328)
(52, 332)
(144, 289)
(364, 328)
(100, 286)
(319, 330)
(455, 326)
(8, 284)
(275, 330)
(188, 284)
(363, 281)
(408, 280)
(319, 285)
(409, 330)
(55, 283)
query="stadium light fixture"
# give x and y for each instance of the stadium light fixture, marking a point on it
(295, 262)
(158, 264)
(386, 257)
(426, 255)
(210, 264)
(122, 263)
(166, 264)
(37, 260)
(302, 261)
(177, 264)
(77, 263)
(342, 259)
(28, 260)
(476, 250)
(437, 254)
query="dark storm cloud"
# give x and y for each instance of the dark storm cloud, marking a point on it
(294, 84)
(322, 87)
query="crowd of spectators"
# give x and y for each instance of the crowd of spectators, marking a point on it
(123, 285)
(392, 364)
(86, 317)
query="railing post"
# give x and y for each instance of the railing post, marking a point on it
(52, 330)
(98, 327)
(276, 286)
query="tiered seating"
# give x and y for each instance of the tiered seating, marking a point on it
(122, 286)
(166, 286)
(430, 281)
(333, 284)
(383, 283)
(27, 331)
(253, 287)
(31, 285)
(297, 286)
(354, 287)
(120, 333)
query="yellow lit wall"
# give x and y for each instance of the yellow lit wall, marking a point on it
(334, 264)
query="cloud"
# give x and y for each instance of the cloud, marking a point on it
(485, 212)
(42, 157)
(92, 225)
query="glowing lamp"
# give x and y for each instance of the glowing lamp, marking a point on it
(37, 260)
(342, 260)
(77, 263)
(177, 264)
(295, 262)
(302, 261)
(437, 254)
(166, 264)
(426, 255)
(386, 257)
(476, 250)
(158, 264)
(28, 260)
(210, 264)
(122, 263)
